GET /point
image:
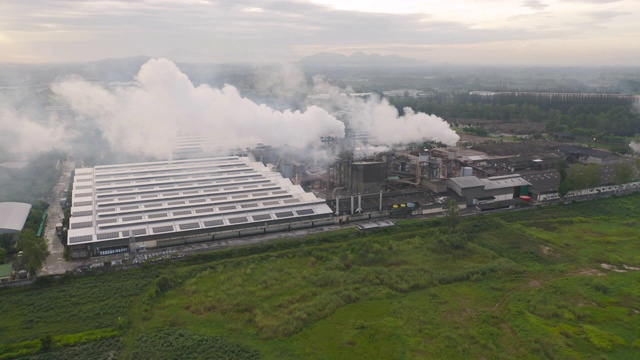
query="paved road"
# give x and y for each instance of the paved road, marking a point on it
(55, 263)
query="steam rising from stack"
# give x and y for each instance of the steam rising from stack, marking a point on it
(21, 135)
(147, 118)
(388, 127)
(148, 115)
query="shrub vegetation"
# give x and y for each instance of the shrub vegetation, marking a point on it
(553, 282)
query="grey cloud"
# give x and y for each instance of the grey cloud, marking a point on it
(226, 29)
(605, 15)
(597, 2)
(535, 4)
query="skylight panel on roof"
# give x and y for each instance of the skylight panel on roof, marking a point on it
(161, 229)
(130, 207)
(261, 217)
(248, 205)
(173, 203)
(132, 218)
(182, 213)
(81, 225)
(138, 232)
(212, 223)
(189, 226)
(83, 203)
(157, 216)
(305, 212)
(77, 239)
(238, 220)
(82, 213)
(227, 208)
(110, 235)
(284, 214)
(107, 221)
(205, 210)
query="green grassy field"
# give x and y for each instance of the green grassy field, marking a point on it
(557, 282)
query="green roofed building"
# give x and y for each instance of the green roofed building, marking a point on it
(5, 272)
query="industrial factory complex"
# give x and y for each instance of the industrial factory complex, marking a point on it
(198, 198)
(200, 195)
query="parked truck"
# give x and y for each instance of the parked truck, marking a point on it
(59, 229)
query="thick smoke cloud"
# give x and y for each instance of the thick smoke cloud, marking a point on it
(22, 136)
(381, 120)
(388, 127)
(163, 104)
(146, 117)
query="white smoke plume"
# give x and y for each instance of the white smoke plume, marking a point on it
(387, 127)
(282, 81)
(382, 120)
(163, 104)
(20, 135)
(635, 146)
(368, 150)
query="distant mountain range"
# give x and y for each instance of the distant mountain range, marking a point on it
(358, 59)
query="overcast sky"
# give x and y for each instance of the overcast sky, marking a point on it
(527, 32)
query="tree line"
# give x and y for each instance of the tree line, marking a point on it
(606, 116)
(581, 177)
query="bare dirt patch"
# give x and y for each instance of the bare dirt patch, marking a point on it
(591, 272)
(612, 268)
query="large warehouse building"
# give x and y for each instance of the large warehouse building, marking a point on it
(119, 208)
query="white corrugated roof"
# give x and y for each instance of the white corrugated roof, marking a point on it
(114, 202)
(13, 216)
(491, 184)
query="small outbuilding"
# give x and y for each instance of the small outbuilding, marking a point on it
(13, 215)
(497, 188)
